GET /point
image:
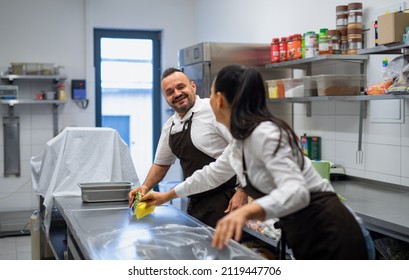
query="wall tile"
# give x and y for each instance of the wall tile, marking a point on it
(404, 162)
(323, 126)
(16, 202)
(347, 128)
(41, 136)
(347, 108)
(382, 133)
(404, 128)
(346, 155)
(323, 108)
(384, 159)
(328, 150)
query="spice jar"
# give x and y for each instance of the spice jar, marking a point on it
(297, 46)
(311, 44)
(275, 50)
(324, 45)
(354, 44)
(341, 16)
(290, 50)
(335, 40)
(355, 15)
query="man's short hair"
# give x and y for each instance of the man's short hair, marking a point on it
(170, 71)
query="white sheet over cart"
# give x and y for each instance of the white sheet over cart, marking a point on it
(80, 155)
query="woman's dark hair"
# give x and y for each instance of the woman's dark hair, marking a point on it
(245, 90)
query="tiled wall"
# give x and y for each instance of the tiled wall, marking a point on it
(385, 146)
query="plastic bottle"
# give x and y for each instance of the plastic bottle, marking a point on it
(283, 49)
(297, 46)
(275, 50)
(290, 50)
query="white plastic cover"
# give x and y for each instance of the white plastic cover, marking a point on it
(80, 155)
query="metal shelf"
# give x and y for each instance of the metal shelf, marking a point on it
(12, 77)
(12, 102)
(398, 48)
(308, 99)
(305, 62)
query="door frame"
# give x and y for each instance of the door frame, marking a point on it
(155, 36)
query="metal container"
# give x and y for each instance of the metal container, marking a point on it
(105, 191)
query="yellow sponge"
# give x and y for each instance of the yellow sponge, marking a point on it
(141, 210)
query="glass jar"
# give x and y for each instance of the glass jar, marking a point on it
(311, 44)
(341, 16)
(355, 15)
(335, 40)
(324, 45)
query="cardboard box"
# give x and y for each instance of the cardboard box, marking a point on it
(391, 27)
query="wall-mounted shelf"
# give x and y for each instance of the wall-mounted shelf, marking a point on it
(398, 48)
(305, 63)
(12, 102)
(353, 98)
(12, 77)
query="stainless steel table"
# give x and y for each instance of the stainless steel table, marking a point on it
(383, 207)
(111, 231)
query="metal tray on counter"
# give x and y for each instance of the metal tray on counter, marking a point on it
(105, 191)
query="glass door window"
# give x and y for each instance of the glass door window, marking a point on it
(127, 89)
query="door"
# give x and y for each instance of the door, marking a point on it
(127, 77)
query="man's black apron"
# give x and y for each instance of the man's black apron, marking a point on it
(323, 230)
(208, 206)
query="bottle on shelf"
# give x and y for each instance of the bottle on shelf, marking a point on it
(275, 50)
(61, 93)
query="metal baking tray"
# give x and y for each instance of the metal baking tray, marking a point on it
(105, 191)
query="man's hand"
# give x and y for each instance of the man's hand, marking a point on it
(239, 199)
(131, 195)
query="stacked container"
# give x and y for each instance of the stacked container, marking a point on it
(342, 25)
(354, 27)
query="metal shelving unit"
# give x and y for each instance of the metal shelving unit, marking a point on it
(12, 102)
(12, 77)
(306, 63)
(11, 123)
(398, 48)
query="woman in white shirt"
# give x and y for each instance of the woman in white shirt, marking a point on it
(266, 156)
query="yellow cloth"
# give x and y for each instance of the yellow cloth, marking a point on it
(141, 210)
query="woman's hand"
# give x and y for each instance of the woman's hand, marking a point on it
(228, 227)
(231, 225)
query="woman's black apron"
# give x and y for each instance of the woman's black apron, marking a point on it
(323, 230)
(209, 206)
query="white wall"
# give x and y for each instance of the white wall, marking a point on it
(61, 31)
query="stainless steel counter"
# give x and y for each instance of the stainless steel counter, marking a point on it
(111, 231)
(383, 207)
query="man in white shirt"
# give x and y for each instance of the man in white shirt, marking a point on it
(194, 136)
